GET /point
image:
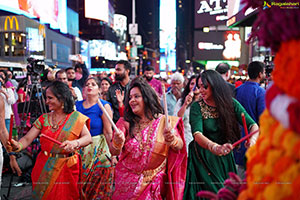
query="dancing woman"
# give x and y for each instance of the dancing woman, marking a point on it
(56, 172)
(152, 158)
(97, 168)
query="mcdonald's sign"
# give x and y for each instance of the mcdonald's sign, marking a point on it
(11, 22)
(42, 30)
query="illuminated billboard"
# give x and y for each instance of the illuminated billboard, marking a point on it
(236, 14)
(34, 40)
(97, 10)
(210, 13)
(103, 48)
(167, 35)
(53, 12)
(220, 45)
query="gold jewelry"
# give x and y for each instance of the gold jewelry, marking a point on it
(139, 135)
(53, 123)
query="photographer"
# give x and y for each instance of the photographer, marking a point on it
(80, 66)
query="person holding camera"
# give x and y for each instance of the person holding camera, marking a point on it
(71, 73)
(56, 173)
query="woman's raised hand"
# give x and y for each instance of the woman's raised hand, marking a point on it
(189, 98)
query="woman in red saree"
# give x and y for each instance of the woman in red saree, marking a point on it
(152, 158)
(56, 174)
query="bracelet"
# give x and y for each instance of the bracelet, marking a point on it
(20, 147)
(78, 145)
(196, 133)
(12, 153)
(117, 146)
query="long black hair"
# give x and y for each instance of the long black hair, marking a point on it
(62, 92)
(187, 89)
(224, 104)
(150, 98)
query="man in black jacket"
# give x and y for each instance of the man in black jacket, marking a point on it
(122, 73)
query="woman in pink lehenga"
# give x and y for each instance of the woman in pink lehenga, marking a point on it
(152, 159)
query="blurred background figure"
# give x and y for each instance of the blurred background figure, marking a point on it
(105, 84)
(80, 68)
(174, 93)
(155, 84)
(182, 108)
(9, 99)
(252, 97)
(61, 75)
(122, 73)
(224, 70)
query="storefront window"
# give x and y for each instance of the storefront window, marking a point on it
(17, 44)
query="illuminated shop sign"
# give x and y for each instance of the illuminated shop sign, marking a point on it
(11, 21)
(210, 13)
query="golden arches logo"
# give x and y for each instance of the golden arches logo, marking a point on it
(42, 30)
(11, 22)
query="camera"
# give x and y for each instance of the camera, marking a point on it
(35, 66)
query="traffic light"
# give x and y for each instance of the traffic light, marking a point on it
(127, 48)
(145, 54)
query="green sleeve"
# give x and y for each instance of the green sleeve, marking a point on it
(239, 109)
(196, 121)
(38, 123)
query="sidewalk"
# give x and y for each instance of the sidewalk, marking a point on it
(22, 192)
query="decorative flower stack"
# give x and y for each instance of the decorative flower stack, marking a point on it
(273, 166)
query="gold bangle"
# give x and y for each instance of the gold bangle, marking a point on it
(20, 147)
(117, 146)
(196, 133)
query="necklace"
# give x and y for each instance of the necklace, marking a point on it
(139, 135)
(54, 124)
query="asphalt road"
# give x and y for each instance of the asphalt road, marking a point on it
(21, 192)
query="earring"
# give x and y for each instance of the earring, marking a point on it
(62, 106)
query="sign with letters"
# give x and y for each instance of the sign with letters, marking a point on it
(210, 13)
(11, 23)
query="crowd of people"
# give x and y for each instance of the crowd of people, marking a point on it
(118, 140)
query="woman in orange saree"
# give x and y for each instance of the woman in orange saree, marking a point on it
(56, 174)
(152, 159)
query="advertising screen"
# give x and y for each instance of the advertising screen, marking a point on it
(210, 13)
(167, 35)
(52, 12)
(35, 41)
(96, 9)
(217, 45)
(236, 14)
(103, 48)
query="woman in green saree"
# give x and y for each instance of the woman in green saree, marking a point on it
(214, 121)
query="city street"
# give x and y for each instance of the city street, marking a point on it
(22, 192)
